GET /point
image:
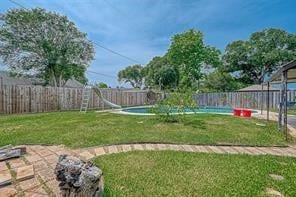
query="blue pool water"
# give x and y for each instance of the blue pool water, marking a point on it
(147, 110)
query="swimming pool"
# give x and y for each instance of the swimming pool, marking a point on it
(203, 109)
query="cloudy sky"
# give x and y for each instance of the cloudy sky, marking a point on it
(141, 29)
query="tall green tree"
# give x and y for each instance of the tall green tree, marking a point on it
(259, 56)
(188, 53)
(134, 75)
(44, 43)
(219, 81)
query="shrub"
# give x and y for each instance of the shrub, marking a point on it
(174, 107)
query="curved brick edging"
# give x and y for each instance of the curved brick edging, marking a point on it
(89, 153)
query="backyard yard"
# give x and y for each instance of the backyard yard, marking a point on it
(75, 129)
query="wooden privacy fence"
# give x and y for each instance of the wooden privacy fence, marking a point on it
(253, 100)
(30, 99)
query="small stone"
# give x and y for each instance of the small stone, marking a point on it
(15, 163)
(51, 159)
(162, 146)
(229, 150)
(56, 148)
(215, 149)
(99, 151)
(175, 147)
(29, 184)
(201, 149)
(261, 124)
(33, 158)
(138, 147)
(126, 147)
(8, 191)
(24, 173)
(119, 148)
(150, 147)
(187, 148)
(5, 177)
(112, 149)
(44, 152)
(64, 152)
(86, 155)
(3, 166)
(36, 192)
(37, 148)
(46, 175)
(40, 165)
(276, 177)
(272, 192)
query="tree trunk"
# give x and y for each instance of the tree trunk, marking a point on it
(54, 79)
(60, 81)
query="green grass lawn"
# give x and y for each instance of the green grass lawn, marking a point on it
(76, 129)
(170, 173)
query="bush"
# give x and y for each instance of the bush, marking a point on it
(174, 107)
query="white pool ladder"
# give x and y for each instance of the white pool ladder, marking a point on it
(85, 98)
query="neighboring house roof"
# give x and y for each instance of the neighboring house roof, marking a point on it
(72, 83)
(254, 88)
(125, 89)
(5, 79)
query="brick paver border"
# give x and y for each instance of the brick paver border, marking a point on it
(91, 152)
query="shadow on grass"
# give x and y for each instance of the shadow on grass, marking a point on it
(195, 123)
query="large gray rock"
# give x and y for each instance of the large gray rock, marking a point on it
(78, 178)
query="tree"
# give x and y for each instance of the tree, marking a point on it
(219, 81)
(133, 75)
(102, 85)
(259, 56)
(167, 77)
(159, 71)
(44, 43)
(188, 53)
